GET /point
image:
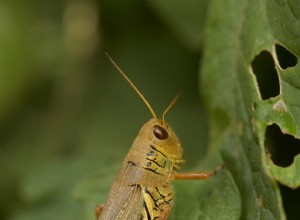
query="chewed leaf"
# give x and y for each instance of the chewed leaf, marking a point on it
(249, 100)
(289, 176)
(276, 111)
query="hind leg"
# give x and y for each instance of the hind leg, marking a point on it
(165, 212)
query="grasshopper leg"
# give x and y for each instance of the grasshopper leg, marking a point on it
(99, 209)
(197, 175)
(166, 210)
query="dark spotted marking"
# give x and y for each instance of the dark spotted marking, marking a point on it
(154, 148)
(153, 171)
(147, 191)
(131, 163)
(162, 196)
(161, 166)
(151, 153)
(147, 210)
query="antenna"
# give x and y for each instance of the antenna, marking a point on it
(170, 106)
(132, 85)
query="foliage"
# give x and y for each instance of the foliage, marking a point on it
(68, 118)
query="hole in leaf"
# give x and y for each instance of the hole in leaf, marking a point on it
(263, 67)
(282, 147)
(285, 57)
(291, 201)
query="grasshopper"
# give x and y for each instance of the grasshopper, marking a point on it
(142, 189)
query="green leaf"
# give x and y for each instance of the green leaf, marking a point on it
(215, 198)
(235, 34)
(290, 176)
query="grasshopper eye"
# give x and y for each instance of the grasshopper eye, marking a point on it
(159, 132)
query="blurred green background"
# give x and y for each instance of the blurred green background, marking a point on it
(68, 118)
(66, 114)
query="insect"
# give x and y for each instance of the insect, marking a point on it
(142, 189)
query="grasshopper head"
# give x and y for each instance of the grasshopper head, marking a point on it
(160, 135)
(156, 131)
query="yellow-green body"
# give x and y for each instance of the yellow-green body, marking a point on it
(142, 188)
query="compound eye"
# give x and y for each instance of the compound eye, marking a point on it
(160, 133)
